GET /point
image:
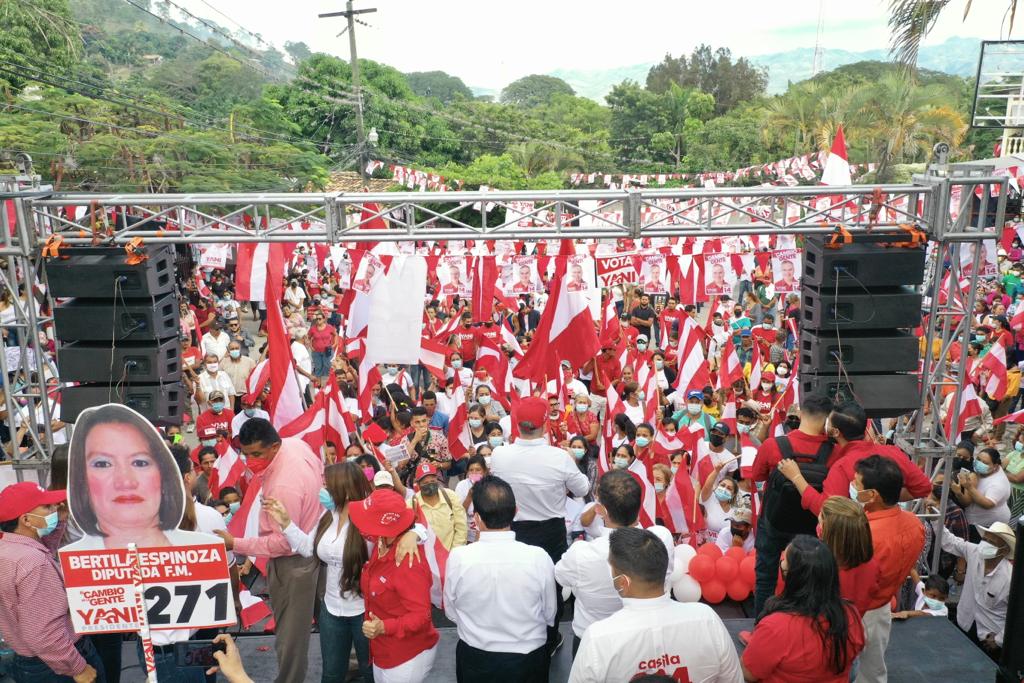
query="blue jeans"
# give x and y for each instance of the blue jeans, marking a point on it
(34, 670)
(169, 672)
(321, 363)
(337, 636)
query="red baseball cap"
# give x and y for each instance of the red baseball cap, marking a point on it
(208, 433)
(382, 513)
(532, 410)
(425, 469)
(17, 499)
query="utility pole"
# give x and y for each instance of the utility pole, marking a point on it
(350, 14)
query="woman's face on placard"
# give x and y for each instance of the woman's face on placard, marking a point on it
(123, 477)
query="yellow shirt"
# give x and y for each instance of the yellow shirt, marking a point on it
(1012, 383)
(447, 519)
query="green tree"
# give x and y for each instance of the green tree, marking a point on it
(910, 21)
(299, 51)
(534, 90)
(439, 85)
(729, 82)
(37, 34)
(656, 126)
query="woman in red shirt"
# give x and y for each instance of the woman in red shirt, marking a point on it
(581, 421)
(844, 529)
(403, 640)
(808, 633)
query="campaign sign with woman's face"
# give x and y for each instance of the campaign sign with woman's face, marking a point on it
(123, 483)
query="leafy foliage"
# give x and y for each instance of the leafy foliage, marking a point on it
(534, 90)
(729, 82)
(439, 85)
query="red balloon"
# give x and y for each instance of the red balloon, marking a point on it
(710, 549)
(702, 568)
(726, 569)
(713, 591)
(747, 570)
(736, 553)
(738, 590)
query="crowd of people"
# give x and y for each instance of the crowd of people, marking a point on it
(535, 497)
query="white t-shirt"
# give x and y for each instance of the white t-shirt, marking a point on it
(655, 636)
(302, 360)
(922, 606)
(242, 418)
(995, 487)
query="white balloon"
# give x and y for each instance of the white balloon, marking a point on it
(684, 552)
(686, 589)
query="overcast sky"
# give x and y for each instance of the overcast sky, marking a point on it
(489, 43)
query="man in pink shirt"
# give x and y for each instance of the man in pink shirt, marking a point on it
(846, 426)
(288, 470)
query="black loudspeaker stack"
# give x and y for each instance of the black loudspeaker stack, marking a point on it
(117, 329)
(859, 304)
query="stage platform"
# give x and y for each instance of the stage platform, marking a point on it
(923, 650)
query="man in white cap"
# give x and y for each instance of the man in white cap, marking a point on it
(981, 612)
(739, 533)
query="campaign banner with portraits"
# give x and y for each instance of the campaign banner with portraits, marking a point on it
(453, 274)
(786, 269)
(579, 274)
(124, 487)
(652, 274)
(519, 276)
(615, 270)
(719, 276)
(988, 264)
(369, 272)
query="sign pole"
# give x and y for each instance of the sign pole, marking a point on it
(140, 605)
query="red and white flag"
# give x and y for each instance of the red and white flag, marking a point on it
(995, 363)
(837, 165)
(460, 439)
(754, 380)
(227, 471)
(285, 400)
(690, 359)
(432, 357)
(245, 523)
(369, 377)
(257, 381)
(565, 332)
(1015, 418)
(970, 406)
(251, 271)
(254, 608)
(681, 501)
(730, 370)
(666, 444)
(648, 500)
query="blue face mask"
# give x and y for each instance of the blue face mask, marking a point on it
(981, 468)
(642, 441)
(233, 507)
(326, 500)
(457, 364)
(209, 442)
(249, 412)
(933, 603)
(495, 441)
(723, 494)
(217, 406)
(51, 523)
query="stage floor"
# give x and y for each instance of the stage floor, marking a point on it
(921, 650)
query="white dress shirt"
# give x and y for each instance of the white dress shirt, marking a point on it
(215, 345)
(539, 475)
(985, 597)
(329, 550)
(657, 635)
(500, 593)
(584, 569)
(242, 418)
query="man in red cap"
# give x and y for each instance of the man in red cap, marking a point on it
(442, 508)
(33, 605)
(539, 474)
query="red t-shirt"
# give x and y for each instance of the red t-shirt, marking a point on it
(322, 340)
(609, 368)
(785, 648)
(763, 336)
(768, 455)
(467, 343)
(859, 584)
(581, 423)
(193, 357)
(219, 421)
(764, 399)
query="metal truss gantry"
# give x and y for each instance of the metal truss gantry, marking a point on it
(942, 202)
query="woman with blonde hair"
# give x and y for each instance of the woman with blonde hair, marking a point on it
(844, 529)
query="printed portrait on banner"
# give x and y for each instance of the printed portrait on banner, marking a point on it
(124, 486)
(719, 277)
(453, 275)
(579, 274)
(786, 269)
(370, 270)
(988, 265)
(520, 276)
(652, 274)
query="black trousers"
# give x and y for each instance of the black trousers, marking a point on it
(479, 666)
(549, 535)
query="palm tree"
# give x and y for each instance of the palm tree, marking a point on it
(906, 118)
(537, 157)
(912, 20)
(796, 111)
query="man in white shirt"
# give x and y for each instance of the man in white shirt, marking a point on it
(539, 475)
(584, 567)
(215, 341)
(501, 595)
(214, 379)
(570, 385)
(652, 633)
(249, 410)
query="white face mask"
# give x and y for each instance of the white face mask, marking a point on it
(987, 550)
(212, 368)
(766, 386)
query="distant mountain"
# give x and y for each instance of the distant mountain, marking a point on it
(957, 56)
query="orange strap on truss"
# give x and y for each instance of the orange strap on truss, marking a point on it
(839, 238)
(916, 238)
(877, 200)
(135, 251)
(52, 247)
